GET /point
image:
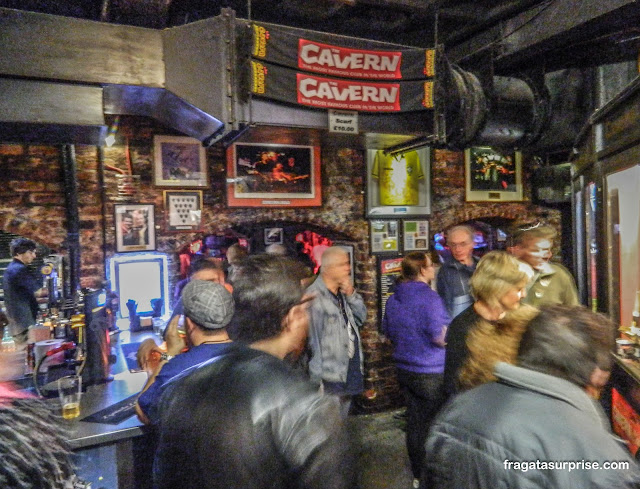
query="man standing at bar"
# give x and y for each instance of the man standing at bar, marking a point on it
(246, 419)
(551, 283)
(453, 278)
(337, 314)
(208, 308)
(20, 289)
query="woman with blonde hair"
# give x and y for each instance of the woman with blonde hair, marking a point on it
(490, 329)
(415, 321)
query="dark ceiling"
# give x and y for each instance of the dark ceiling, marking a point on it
(570, 32)
(402, 21)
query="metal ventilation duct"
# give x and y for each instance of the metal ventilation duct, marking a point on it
(544, 114)
(60, 75)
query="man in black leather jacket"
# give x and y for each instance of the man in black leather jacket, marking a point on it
(245, 419)
(539, 425)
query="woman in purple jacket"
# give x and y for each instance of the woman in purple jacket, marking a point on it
(416, 321)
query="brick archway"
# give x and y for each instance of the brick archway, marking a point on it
(515, 212)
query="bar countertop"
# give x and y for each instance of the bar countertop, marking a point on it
(82, 434)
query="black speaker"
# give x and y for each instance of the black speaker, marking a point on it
(552, 184)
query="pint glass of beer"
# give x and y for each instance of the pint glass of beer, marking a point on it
(70, 390)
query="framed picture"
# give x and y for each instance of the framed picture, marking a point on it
(183, 210)
(398, 184)
(389, 270)
(385, 236)
(135, 227)
(415, 235)
(179, 162)
(349, 248)
(492, 175)
(273, 175)
(273, 236)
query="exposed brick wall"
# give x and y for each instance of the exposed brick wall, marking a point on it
(448, 198)
(32, 204)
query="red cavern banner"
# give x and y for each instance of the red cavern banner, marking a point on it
(340, 56)
(292, 86)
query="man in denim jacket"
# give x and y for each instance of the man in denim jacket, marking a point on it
(337, 313)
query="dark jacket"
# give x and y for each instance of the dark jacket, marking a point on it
(19, 286)
(529, 417)
(452, 283)
(414, 317)
(456, 352)
(247, 421)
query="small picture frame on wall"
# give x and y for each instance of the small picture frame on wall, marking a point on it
(135, 227)
(273, 236)
(385, 236)
(415, 235)
(493, 175)
(398, 184)
(183, 210)
(179, 161)
(273, 175)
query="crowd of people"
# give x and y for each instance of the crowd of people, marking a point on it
(254, 381)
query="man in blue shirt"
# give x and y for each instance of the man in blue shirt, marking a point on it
(20, 289)
(208, 308)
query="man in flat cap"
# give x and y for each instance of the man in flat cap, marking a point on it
(208, 308)
(246, 419)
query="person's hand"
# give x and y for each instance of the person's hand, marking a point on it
(175, 342)
(346, 286)
(148, 355)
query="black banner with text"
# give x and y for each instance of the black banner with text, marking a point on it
(340, 56)
(278, 83)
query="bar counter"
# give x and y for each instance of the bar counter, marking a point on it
(112, 456)
(83, 434)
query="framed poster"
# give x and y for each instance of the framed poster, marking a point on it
(492, 175)
(415, 235)
(179, 161)
(273, 175)
(273, 236)
(398, 184)
(385, 236)
(135, 227)
(183, 210)
(389, 270)
(350, 251)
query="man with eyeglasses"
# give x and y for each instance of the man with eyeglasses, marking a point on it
(20, 289)
(453, 278)
(551, 283)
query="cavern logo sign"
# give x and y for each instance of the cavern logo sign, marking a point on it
(347, 62)
(331, 93)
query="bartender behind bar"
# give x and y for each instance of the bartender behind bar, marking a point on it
(21, 287)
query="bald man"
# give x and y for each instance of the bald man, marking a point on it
(337, 313)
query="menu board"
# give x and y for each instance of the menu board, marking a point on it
(389, 270)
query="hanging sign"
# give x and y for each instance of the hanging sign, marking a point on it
(345, 121)
(341, 56)
(275, 82)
